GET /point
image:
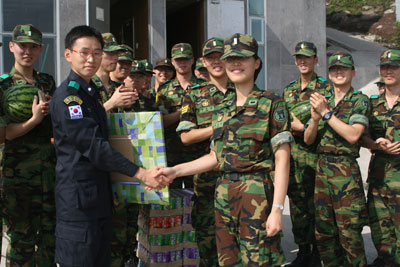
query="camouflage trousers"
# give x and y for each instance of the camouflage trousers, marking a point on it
(301, 195)
(125, 228)
(242, 208)
(384, 207)
(203, 217)
(28, 203)
(340, 211)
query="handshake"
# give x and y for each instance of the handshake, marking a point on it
(156, 177)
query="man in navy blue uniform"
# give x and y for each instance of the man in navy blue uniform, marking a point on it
(85, 158)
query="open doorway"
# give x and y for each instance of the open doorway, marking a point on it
(185, 24)
(129, 24)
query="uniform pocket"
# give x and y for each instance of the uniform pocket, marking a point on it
(71, 244)
(87, 193)
(250, 143)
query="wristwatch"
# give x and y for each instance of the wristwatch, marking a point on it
(279, 206)
(327, 116)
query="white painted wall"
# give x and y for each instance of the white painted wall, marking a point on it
(225, 17)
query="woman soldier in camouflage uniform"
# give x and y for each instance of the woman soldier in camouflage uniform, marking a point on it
(250, 142)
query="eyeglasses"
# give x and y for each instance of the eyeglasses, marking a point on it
(85, 53)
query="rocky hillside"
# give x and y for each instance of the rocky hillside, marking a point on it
(374, 20)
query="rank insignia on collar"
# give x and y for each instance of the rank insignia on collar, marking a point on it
(73, 98)
(220, 117)
(376, 113)
(170, 92)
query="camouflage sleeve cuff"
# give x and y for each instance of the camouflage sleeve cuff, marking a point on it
(281, 138)
(185, 126)
(358, 118)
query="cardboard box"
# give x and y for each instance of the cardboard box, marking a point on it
(139, 137)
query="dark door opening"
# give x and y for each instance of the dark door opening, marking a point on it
(185, 24)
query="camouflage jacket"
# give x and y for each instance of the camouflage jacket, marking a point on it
(353, 108)
(43, 81)
(144, 103)
(246, 137)
(197, 110)
(384, 121)
(170, 95)
(106, 95)
(293, 94)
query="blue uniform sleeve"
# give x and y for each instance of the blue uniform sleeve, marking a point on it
(84, 134)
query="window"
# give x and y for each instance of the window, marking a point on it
(41, 14)
(256, 19)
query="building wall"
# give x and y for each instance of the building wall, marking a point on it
(307, 23)
(71, 13)
(225, 17)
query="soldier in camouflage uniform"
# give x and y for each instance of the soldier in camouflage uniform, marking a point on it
(145, 92)
(112, 97)
(3, 125)
(29, 160)
(250, 142)
(200, 71)
(164, 71)
(169, 100)
(196, 130)
(124, 65)
(303, 157)
(339, 194)
(384, 168)
(381, 85)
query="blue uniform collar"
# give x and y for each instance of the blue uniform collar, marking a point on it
(89, 88)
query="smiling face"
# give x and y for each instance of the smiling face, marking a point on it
(306, 64)
(214, 64)
(109, 61)
(341, 76)
(390, 75)
(84, 66)
(240, 70)
(122, 70)
(183, 66)
(163, 74)
(25, 54)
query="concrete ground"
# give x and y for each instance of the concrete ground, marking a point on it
(366, 56)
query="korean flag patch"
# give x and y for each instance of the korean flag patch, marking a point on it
(75, 112)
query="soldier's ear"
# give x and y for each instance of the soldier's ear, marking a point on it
(67, 54)
(316, 60)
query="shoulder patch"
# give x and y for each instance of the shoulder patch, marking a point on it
(322, 79)
(374, 96)
(74, 84)
(195, 86)
(356, 92)
(280, 114)
(185, 109)
(5, 76)
(73, 98)
(292, 82)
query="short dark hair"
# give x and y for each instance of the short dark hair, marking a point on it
(82, 31)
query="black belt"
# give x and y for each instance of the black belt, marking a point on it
(236, 176)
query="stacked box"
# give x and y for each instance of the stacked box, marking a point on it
(166, 236)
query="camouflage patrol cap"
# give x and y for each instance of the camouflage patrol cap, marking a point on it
(212, 45)
(164, 62)
(148, 67)
(199, 64)
(126, 53)
(307, 49)
(182, 50)
(26, 33)
(341, 59)
(240, 45)
(390, 57)
(110, 43)
(138, 67)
